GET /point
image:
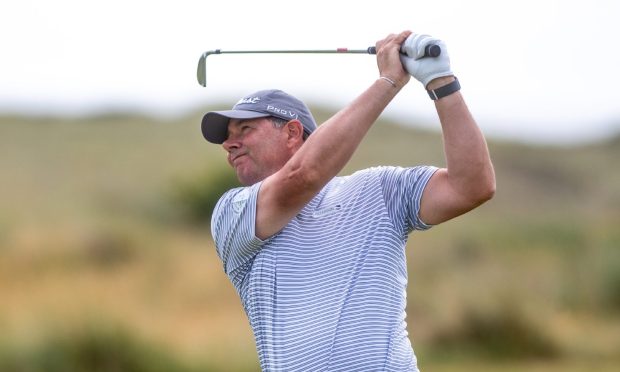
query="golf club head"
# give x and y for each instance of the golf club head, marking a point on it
(202, 70)
(201, 73)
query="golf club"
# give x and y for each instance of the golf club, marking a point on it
(431, 50)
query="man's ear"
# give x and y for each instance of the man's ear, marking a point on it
(295, 129)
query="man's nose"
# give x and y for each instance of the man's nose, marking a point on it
(231, 143)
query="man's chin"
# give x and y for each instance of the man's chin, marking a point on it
(245, 179)
(251, 175)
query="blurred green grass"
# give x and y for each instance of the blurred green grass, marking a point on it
(94, 229)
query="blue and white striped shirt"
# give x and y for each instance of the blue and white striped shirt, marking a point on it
(328, 292)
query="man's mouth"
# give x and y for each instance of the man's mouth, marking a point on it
(234, 158)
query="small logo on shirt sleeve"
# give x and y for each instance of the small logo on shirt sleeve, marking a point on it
(240, 200)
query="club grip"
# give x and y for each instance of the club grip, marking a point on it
(431, 50)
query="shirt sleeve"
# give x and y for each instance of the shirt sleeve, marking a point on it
(233, 225)
(402, 190)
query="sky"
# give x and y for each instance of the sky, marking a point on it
(530, 70)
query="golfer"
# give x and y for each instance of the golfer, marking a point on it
(319, 260)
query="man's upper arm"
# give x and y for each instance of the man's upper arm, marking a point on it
(280, 198)
(441, 202)
(232, 227)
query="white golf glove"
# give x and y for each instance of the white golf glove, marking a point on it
(424, 69)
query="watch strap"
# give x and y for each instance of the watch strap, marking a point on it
(445, 90)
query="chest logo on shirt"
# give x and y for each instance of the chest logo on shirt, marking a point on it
(326, 211)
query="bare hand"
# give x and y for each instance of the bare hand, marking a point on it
(388, 58)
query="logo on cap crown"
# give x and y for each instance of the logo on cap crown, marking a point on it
(248, 100)
(282, 112)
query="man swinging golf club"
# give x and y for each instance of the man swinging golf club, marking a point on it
(319, 260)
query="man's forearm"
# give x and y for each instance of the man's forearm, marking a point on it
(469, 167)
(331, 146)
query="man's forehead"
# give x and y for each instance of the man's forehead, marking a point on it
(237, 122)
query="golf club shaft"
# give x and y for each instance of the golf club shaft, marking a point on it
(431, 50)
(290, 51)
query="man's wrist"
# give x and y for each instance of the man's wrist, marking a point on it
(440, 82)
(442, 87)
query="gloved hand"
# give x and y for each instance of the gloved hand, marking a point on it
(424, 69)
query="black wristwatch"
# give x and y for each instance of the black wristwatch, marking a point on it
(445, 90)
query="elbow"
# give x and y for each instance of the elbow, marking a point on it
(479, 189)
(478, 195)
(486, 189)
(488, 192)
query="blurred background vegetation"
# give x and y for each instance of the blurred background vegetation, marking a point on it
(107, 263)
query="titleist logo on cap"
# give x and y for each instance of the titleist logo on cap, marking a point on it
(269, 108)
(248, 100)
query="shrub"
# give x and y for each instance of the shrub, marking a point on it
(610, 277)
(505, 334)
(197, 197)
(95, 349)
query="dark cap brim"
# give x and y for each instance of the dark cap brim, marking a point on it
(215, 123)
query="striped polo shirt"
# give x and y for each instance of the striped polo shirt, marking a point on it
(328, 292)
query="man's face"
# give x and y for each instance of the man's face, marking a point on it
(256, 149)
